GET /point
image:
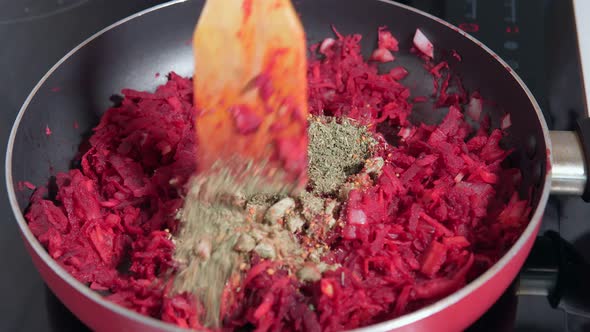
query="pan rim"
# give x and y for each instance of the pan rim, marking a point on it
(398, 322)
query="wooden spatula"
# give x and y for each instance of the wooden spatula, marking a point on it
(251, 89)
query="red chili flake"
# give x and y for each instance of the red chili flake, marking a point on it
(76, 124)
(56, 89)
(327, 288)
(47, 130)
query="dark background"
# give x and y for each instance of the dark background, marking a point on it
(35, 34)
(535, 37)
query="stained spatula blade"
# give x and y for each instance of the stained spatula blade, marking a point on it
(250, 87)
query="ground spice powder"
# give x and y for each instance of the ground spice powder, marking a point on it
(218, 234)
(338, 150)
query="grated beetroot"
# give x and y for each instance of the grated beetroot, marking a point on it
(106, 225)
(442, 211)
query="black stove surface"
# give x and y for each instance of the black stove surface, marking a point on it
(535, 37)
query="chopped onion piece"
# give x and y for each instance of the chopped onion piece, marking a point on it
(382, 55)
(398, 73)
(423, 44)
(405, 133)
(357, 217)
(505, 123)
(326, 44)
(474, 108)
(387, 40)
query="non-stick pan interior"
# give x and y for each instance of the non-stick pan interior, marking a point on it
(74, 95)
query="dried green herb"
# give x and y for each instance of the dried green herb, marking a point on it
(336, 151)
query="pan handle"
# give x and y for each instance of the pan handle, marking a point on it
(571, 150)
(568, 170)
(571, 158)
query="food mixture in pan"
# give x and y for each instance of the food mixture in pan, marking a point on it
(396, 215)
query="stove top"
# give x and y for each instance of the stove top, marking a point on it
(537, 38)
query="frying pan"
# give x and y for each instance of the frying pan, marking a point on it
(130, 52)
